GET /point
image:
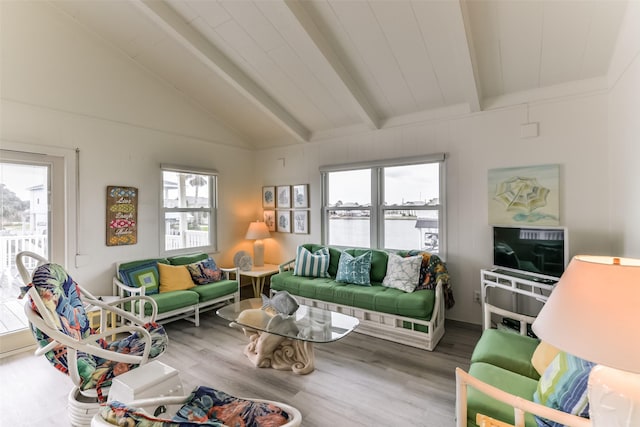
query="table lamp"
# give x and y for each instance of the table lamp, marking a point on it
(594, 313)
(257, 231)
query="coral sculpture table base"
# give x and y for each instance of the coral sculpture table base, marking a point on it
(267, 350)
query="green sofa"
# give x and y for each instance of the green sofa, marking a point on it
(414, 318)
(178, 304)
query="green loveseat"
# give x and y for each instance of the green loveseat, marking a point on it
(175, 304)
(412, 318)
(503, 378)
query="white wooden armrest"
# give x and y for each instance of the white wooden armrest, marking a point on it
(227, 272)
(520, 405)
(287, 265)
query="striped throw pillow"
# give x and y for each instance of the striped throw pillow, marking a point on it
(311, 264)
(563, 386)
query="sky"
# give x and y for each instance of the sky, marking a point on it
(19, 177)
(402, 183)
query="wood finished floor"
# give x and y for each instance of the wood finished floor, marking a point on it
(358, 381)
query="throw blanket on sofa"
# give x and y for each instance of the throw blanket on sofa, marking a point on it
(432, 270)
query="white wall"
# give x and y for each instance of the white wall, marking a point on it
(62, 88)
(624, 135)
(573, 134)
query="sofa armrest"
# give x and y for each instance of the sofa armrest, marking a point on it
(123, 291)
(287, 265)
(520, 405)
(227, 272)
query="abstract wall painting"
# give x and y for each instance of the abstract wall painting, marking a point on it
(527, 195)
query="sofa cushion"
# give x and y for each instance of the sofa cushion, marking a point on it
(402, 273)
(417, 304)
(507, 350)
(169, 301)
(310, 264)
(503, 379)
(354, 269)
(143, 273)
(187, 259)
(205, 271)
(174, 278)
(563, 386)
(215, 290)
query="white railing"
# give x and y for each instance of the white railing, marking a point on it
(10, 246)
(191, 239)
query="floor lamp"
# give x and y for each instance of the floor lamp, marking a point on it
(594, 313)
(257, 231)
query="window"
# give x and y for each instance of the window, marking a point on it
(393, 205)
(188, 212)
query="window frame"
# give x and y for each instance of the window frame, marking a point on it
(377, 209)
(211, 210)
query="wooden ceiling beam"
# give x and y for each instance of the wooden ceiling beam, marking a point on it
(358, 98)
(465, 57)
(175, 26)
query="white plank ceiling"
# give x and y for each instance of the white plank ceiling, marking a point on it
(280, 72)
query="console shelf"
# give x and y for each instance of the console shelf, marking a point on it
(516, 284)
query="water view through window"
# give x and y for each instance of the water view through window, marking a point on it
(405, 200)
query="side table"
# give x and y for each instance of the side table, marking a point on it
(95, 314)
(259, 276)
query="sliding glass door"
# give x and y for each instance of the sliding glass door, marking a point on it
(30, 185)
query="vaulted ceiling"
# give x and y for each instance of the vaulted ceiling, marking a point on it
(279, 72)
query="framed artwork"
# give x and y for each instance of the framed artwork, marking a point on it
(524, 195)
(122, 215)
(301, 222)
(270, 220)
(283, 195)
(269, 197)
(283, 221)
(301, 196)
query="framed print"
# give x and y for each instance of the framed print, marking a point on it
(283, 196)
(122, 215)
(525, 195)
(283, 221)
(270, 220)
(301, 196)
(269, 197)
(301, 222)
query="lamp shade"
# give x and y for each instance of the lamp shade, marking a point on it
(594, 312)
(257, 230)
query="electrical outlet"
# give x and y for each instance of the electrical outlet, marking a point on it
(476, 297)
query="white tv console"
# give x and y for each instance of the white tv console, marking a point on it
(516, 284)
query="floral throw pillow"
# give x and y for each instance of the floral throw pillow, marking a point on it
(204, 272)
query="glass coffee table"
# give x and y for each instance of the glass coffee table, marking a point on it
(285, 342)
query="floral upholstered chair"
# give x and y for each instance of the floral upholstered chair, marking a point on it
(57, 314)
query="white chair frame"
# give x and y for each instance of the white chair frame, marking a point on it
(44, 321)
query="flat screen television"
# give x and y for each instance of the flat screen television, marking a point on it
(533, 251)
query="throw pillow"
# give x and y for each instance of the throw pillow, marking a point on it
(543, 356)
(563, 386)
(402, 273)
(311, 264)
(354, 270)
(174, 278)
(145, 274)
(204, 272)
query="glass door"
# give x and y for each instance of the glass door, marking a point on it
(27, 184)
